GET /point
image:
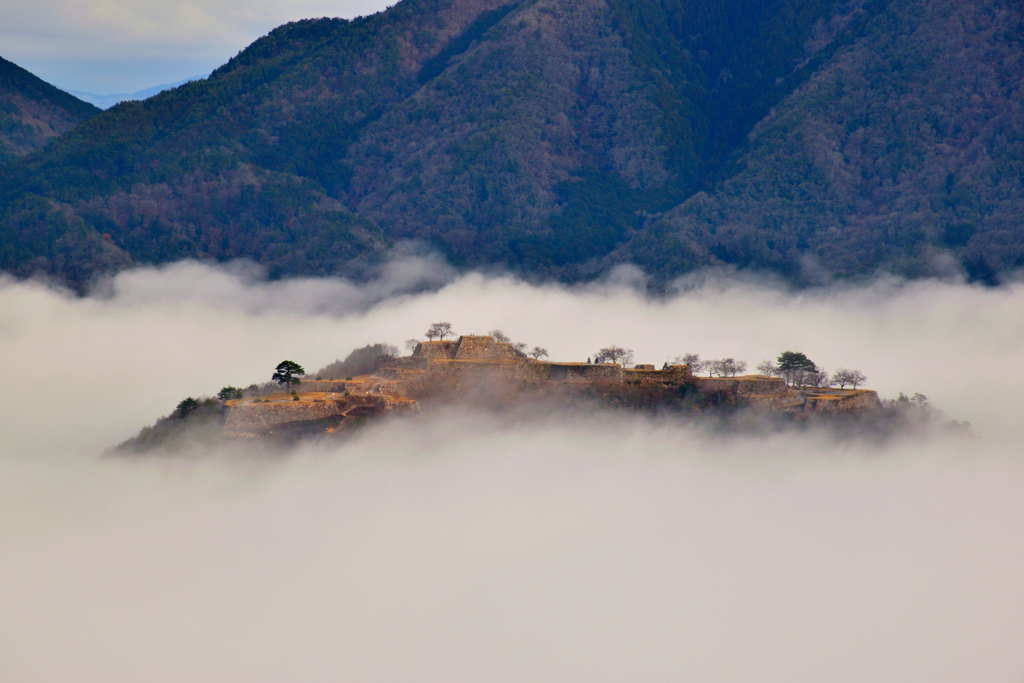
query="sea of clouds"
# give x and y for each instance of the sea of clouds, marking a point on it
(471, 547)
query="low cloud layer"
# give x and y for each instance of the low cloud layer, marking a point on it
(467, 548)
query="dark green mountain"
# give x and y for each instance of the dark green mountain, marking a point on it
(33, 111)
(904, 150)
(558, 137)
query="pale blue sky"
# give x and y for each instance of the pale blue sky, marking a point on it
(117, 46)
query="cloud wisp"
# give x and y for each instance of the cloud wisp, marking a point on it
(469, 547)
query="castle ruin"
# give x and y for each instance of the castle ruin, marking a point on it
(472, 359)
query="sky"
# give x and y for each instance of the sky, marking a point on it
(123, 46)
(466, 546)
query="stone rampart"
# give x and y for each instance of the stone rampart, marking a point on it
(484, 347)
(583, 372)
(528, 371)
(405, 363)
(435, 349)
(256, 417)
(510, 370)
(846, 401)
(322, 385)
(747, 385)
(676, 374)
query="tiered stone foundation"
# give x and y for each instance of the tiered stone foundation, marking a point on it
(439, 371)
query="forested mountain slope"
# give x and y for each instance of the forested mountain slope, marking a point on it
(33, 111)
(905, 151)
(528, 133)
(554, 137)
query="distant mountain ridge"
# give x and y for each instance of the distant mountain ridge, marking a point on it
(33, 111)
(108, 101)
(558, 138)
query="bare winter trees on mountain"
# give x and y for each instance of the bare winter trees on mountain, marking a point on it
(614, 354)
(817, 378)
(728, 367)
(692, 360)
(438, 331)
(842, 377)
(723, 367)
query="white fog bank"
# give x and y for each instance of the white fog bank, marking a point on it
(464, 548)
(159, 335)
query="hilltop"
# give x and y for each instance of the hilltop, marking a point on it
(811, 138)
(478, 372)
(33, 112)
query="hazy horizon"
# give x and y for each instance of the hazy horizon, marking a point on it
(468, 547)
(114, 46)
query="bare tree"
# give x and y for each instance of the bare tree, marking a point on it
(439, 330)
(767, 368)
(726, 367)
(817, 378)
(697, 365)
(411, 344)
(842, 377)
(614, 354)
(520, 348)
(388, 353)
(538, 353)
(691, 359)
(499, 336)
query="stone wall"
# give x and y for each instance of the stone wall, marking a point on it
(675, 374)
(818, 401)
(435, 349)
(748, 385)
(322, 385)
(583, 372)
(504, 369)
(251, 418)
(855, 400)
(475, 347)
(255, 417)
(484, 348)
(528, 371)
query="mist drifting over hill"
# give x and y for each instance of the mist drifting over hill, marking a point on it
(471, 547)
